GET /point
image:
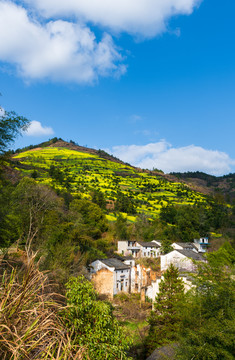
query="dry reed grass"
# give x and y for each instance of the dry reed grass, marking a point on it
(30, 327)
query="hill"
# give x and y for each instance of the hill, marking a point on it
(85, 173)
(209, 184)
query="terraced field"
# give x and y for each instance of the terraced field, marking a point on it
(82, 173)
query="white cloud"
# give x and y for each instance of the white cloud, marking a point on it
(2, 112)
(56, 50)
(162, 155)
(38, 38)
(139, 17)
(36, 129)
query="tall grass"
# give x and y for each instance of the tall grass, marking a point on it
(30, 325)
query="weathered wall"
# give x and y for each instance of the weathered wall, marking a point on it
(180, 261)
(141, 277)
(103, 282)
(122, 248)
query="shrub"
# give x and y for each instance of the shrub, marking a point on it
(92, 323)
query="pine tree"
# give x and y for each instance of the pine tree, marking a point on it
(165, 319)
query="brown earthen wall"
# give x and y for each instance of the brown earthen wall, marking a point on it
(103, 282)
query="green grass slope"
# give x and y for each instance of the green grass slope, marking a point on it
(82, 171)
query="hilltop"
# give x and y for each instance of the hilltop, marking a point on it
(86, 173)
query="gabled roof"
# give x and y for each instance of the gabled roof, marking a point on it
(191, 254)
(186, 245)
(150, 243)
(115, 263)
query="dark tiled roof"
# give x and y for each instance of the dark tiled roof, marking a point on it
(117, 264)
(186, 245)
(150, 243)
(191, 254)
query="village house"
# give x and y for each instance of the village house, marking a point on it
(110, 276)
(198, 245)
(184, 260)
(138, 249)
(201, 244)
(184, 246)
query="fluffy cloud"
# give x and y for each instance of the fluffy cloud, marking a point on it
(40, 40)
(57, 50)
(162, 155)
(36, 129)
(142, 17)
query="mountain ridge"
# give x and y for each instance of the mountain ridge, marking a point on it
(82, 171)
(196, 181)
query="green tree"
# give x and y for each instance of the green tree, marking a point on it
(165, 319)
(31, 202)
(166, 246)
(11, 125)
(99, 199)
(208, 322)
(121, 228)
(92, 323)
(92, 216)
(125, 204)
(8, 233)
(168, 214)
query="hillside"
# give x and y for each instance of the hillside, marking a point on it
(83, 172)
(209, 184)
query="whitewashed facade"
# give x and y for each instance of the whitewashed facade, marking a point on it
(121, 271)
(138, 249)
(181, 259)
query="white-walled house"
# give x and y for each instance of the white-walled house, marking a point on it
(181, 259)
(184, 246)
(201, 244)
(138, 249)
(121, 273)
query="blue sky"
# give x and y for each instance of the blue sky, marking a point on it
(152, 81)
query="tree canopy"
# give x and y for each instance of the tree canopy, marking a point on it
(92, 322)
(165, 319)
(11, 125)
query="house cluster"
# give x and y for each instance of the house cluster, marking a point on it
(111, 276)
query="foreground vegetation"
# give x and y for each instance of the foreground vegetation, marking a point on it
(36, 323)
